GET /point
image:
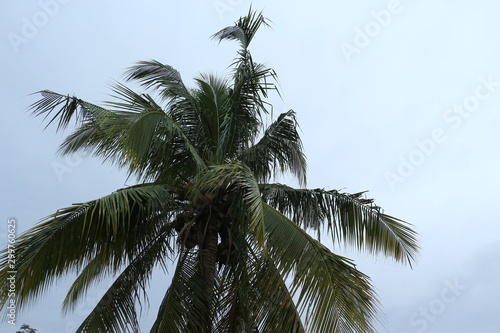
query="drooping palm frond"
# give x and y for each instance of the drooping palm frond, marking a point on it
(164, 79)
(244, 29)
(139, 135)
(273, 306)
(99, 133)
(184, 307)
(154, 141)
(116, 226)
(116, 311)
(235, 301)
(182, 106)
(68, 108)
(253, 296)
(332, 294)
(350, 218)
(278, 151)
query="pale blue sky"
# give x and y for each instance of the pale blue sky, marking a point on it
(400, 98)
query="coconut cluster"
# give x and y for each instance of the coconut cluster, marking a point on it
(207, 212)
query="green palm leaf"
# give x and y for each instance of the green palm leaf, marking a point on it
(244, 29)
(116, 226)
(332, 294)
(274, 306)
(278, 151)
(116, 311)
(350, 218)
(184, 307)
(162, 78)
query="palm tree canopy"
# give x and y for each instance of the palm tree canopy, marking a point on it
(205, 204)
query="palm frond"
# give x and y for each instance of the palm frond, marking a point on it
(244, 29)
(184, 307)
(153, 135)
(278, 151)
(212, 104)
(350, 218)
(69, 107)
(98, 133)
(253, 296)
(116, 311)
(139, 135)
(332, 294)
(162, 78)
(275, 308)
(116, 226)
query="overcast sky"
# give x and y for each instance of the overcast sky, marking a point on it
(400, 98)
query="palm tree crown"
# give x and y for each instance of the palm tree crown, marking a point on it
(204, 202)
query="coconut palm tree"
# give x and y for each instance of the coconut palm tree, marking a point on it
(205, 203)
(27, 329)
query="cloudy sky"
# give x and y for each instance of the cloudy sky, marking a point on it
(400, 98)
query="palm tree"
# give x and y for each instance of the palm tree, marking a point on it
(204, 203)
(27, 329)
